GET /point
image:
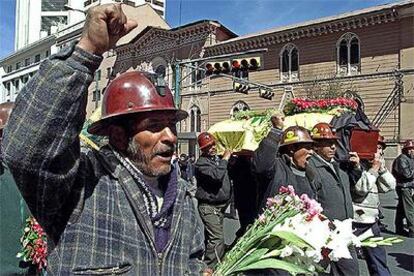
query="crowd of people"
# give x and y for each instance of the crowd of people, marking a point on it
(130, 207)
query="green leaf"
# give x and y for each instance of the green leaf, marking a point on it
(291, 238)
(276, 264)
(273, 253)
(253, 257)
(271, 242)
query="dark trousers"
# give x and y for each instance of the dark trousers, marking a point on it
(376, 257)
(346, 267)
(405, 208)
(212, 217)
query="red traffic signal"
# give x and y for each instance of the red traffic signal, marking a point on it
(250, 63)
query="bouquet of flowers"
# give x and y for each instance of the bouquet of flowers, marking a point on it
(34, 245)
(294, 236)
(331, 106)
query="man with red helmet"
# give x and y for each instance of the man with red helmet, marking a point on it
(403, 170)
(333, 187)
(120, 209)
(291, 167)
(375, 179)
(213, 195)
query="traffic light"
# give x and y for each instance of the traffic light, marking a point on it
(250, 63)
(254, 63)
(235, 68)
(217, 67)
(241, 87)
(209, 69)
(266, 93)
(225, 67)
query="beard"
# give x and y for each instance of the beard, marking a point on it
(143, 161)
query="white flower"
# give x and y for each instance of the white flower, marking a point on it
(286, 251)
(315, 255)
(341, 238)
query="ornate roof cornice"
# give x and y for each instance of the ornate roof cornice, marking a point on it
(284, 35)
(157, 40)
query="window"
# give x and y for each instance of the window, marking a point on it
(98, 75)
(18, 65)
(51, 22)
(195, 119)
(9, 68)
(27, 62)
(160, 13)
(239, 106)
(17, 86)
(348, 55)
(8, 88)
(158, 3)
(289, 63)
(47, 53)
(96, 95)
(108, 72)
(25, 79)
(196, 76)
(37, 58)
(87, 3)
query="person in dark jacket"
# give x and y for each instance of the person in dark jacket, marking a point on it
(288, 169)
(403, 171)
(244, 190)
(213, 193)
(119, 209)
(265, 155)
(13, 214)
(333, 188)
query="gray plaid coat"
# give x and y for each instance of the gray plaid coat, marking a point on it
(88, 204)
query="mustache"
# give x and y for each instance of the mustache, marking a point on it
(167, 149)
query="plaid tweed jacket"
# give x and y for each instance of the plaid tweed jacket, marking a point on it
(88, 204)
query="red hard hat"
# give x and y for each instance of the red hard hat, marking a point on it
(131, 93)
(5, 110)
(409, 144)
(323, 131)
(205, 139)
(295, 135)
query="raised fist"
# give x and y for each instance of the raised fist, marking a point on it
(104, 26)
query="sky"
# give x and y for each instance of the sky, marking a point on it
(240, 16)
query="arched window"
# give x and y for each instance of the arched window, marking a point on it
(289, 63)
(239, 106)
(348, 55)
(195, 119)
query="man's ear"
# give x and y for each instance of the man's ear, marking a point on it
(118, 137)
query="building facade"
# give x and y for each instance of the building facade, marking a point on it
(17, 68)
(366, 53)
(36, 19)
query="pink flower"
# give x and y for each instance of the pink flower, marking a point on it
(312, 207)
(272, 202)
(262, 219)
(287, 190)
